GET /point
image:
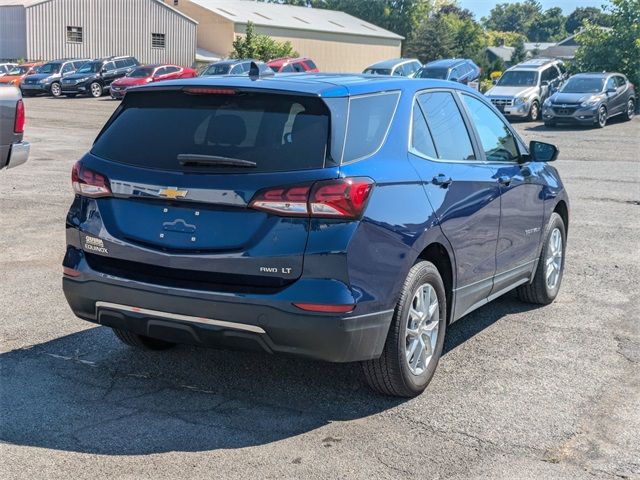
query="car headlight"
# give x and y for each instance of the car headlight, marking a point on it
(520, 100)
(547, 103)
(591, 102)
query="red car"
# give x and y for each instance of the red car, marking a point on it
(147, 74)
(289, 65)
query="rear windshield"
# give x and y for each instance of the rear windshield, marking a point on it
(378, 71)
(221, 69)
(143, 72)
(277, 132)
(439, 73)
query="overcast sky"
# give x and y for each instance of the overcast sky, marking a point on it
(481, 8)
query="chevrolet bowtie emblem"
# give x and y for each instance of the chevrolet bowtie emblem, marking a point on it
(172, 192)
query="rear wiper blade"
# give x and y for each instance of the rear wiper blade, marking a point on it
(193, 159)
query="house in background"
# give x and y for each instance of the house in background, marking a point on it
(150, 30)
(336, 41)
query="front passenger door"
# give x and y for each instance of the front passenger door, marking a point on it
(521, 196)
(462, 190)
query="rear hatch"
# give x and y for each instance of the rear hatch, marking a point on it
(182, 167)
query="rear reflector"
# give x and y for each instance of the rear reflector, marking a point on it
(341, 198)
(18, 126)
(70, 272)
(88, 183)
(209, 91)
(323, 308)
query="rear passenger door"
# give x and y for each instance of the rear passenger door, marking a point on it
(621, 94)
(521, 195)
(461, 189)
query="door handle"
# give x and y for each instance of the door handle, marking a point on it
(504, 180)
(441, 180)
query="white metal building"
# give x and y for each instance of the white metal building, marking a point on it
(150, 30)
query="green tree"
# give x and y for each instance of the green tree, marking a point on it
(519, 54)
(513, 17)
(616, 49)
(547, 26)
(260, 47)
(432, 40)
(577, 18)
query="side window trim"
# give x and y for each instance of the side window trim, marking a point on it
(522, 149)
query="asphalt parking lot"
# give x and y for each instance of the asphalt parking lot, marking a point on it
(520, 393)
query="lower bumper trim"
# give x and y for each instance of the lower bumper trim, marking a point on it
(177, 316)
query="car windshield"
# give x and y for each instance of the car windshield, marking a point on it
(141, 73)
(21, 70)
(50, 68)
(90, 67)
(222, 69)
(583, 85)
(518, 78)
(438, 73)
(378, 71)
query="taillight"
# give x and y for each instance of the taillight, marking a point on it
(342, 198)
(18, 126)
(88, 183)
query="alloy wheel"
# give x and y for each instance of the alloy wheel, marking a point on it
(55, 89)
(631, 109)
(602, 117)
(534, 111)
(554, 259)
(96, 91)
(423, 320)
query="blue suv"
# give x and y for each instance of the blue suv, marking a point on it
(337, 217)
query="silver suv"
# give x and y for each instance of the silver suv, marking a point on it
(522, 89)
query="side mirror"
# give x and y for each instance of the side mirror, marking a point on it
(545, 83)
(611, 90)
(453, 79)
(495, 82)
(542, 152)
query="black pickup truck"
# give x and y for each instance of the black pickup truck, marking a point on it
(13, 151)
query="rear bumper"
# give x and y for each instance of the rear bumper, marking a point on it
(266, 322)
(18, 154)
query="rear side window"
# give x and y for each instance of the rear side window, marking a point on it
(447, 126)
(277, 132)
(121, 64)
(421, 140)
(369, 121)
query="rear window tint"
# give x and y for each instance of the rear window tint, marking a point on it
(369, 120)
(447, 126)
(277, 132)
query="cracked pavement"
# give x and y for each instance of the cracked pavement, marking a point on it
(521, 392)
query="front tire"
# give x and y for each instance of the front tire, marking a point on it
(141, 341)
(631, 109)
(96, 90)
(546, 282)
(416, 336)
(534, 112)
(56, 90)
(601, 119)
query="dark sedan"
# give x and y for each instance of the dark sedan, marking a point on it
(591, 99)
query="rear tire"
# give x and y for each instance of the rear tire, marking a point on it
(141, 341)
(551, 263)
(415, 340)
(631, 109)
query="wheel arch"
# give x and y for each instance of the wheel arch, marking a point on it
(562, 209)
(438, 254)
